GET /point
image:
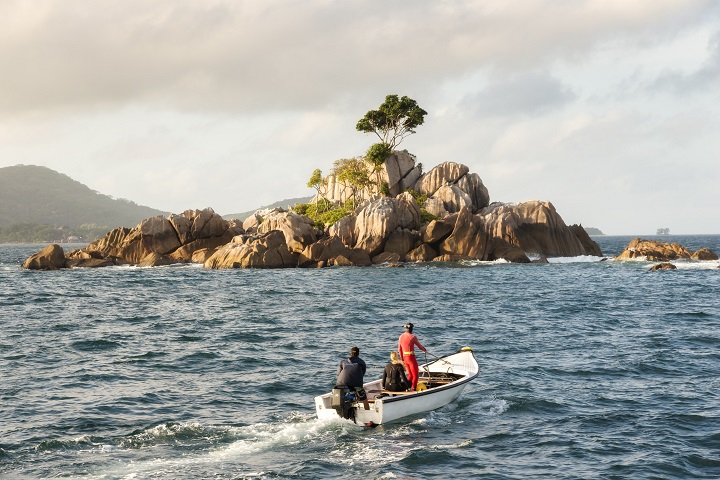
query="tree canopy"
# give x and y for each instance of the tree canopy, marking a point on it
(394, 120)
(353, 173)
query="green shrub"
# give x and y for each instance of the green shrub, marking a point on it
(327, 215)
(334, 215)
(426, 217)
(420, 198)
(377, 153)
(302, 208)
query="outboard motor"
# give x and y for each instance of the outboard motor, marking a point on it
(342, 401)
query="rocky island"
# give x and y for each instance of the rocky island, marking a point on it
(383, 228)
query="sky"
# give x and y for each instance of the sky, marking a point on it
(609, 109)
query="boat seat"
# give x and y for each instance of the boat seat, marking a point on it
(388, 392)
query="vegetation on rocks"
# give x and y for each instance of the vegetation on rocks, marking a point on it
(323, 212)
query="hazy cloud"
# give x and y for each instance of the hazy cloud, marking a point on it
(231, 56)
(706, 77)
(528, 94)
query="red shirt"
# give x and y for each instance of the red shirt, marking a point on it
(406, 344)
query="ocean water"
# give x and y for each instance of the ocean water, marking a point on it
(589, 370)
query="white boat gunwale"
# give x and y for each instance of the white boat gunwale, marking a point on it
(429, 391)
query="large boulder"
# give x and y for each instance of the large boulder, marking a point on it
(375, 220)
(401, 241)
(435, 206)
(408, 211)
(156, 260)
(386, 257)
(453, 198)
(267, 250)
(252, 222)
(499, 249)
(410, 179)
(323, 250)
(654, 251)
(704, 254)
(468, 238)
(299, 230)
(535, 227)
(472, 184)
(396, 167)
(443, 174)
(202, 255)
(591, 247)
(51, 257)
(437, 230)
(159, 235)
(423, 253)
(357, 258)
(109, 245)
(193, 225)
(187, 251)
(344, 229)
(207, 224)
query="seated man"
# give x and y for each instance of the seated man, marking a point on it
(351, 372)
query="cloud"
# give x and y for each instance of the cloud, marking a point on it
(527, 94)
(703, 79)
(286, 54)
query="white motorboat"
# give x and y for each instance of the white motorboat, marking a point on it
(441, 381)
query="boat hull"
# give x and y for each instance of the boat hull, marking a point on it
(387, 408)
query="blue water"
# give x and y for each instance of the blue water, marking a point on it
(589, 370)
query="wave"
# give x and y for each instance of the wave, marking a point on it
(578, 259)
(681, 264)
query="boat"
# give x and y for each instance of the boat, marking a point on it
(440, 382)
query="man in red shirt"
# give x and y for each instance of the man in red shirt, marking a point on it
(406, 347)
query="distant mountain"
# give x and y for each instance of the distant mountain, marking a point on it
(593, 231)
(33, 195)
(282, 203)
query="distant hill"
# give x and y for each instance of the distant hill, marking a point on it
(282, 203)
(593, 231)
(33, 195)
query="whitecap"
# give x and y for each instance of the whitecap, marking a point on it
(578, 259)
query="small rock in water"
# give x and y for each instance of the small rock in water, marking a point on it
(663, 266)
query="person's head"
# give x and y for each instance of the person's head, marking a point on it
(409, 327)
(395, 358)
(354, 351)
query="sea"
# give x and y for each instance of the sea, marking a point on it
(590, 368)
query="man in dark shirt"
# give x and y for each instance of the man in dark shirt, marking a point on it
(351, 370)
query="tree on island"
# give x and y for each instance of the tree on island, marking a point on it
(395, 119)
(353, 174)
(318, 183)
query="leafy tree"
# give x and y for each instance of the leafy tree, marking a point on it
(394, 120)
(376, 156)
(318, 183)
(353, 174)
